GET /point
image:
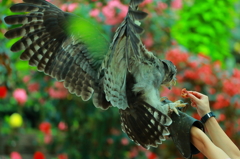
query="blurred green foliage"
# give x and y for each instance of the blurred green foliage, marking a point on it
(204, 27)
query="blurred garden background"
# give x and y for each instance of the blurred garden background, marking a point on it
(39, 119)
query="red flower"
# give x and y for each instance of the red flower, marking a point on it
(33, 87)
(45, 127)
(62, 156)
(176, 4)
(133, 152)
(38, 155)
(20, 95)
(151, 155)
(191, 74)
(206, 74)
(177, 56)
(3, 91)
(196, 116)
(231, 86)
(58, 91)
(221, 117)
(221, 101)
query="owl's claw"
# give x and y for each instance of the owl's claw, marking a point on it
(175, 105)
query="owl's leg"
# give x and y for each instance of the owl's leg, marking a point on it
(177, 104)
(162, 99)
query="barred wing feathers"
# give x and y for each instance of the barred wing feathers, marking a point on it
(52, 41)
(126, 47)
(144, 124)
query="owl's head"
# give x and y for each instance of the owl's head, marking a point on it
(170, 74)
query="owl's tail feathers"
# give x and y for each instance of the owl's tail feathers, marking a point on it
(144, 124)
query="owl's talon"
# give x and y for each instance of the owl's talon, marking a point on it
(176, 111)
(177, 104)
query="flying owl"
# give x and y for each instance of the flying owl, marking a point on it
(122, 74)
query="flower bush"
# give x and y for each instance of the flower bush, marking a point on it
(59, 125)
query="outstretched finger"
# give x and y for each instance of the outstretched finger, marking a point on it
(196, 94)
(193, 97)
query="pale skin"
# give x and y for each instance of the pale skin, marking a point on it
(222, 146)
(200, 140)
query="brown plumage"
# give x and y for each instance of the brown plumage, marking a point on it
(121, 74)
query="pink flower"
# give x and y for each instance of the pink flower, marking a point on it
(20, 95)
(33, 87)
(162, 6)
(148, 41)
(47, 138)
(72, 7)
(26, 79)
(38, 155)
(110, 11)
(15, 155)
(236, 73)
(176, 4)
(124, 141)
(64, 7)
(45, 127)
(62, 126)
(94, 12)
(3, 92)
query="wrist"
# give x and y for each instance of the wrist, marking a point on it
(204, 113)
(207, 116)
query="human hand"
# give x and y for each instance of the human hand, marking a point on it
(200, 102)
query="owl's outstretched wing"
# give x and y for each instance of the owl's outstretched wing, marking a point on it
(144, 124)
(60, 44)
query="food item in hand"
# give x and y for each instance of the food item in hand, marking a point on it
(184, 93)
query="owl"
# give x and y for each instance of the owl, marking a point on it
(121, 73)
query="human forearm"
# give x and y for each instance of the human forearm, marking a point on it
(220, 139)
(205, 146)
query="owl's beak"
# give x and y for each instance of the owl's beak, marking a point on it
(171, 83)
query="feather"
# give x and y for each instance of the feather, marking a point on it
(142, 125)
(48, 43)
